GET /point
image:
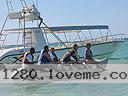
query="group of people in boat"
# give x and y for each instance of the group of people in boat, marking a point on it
(48, 56)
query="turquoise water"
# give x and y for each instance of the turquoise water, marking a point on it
(121, 55)
(64, 90)
(72, 89)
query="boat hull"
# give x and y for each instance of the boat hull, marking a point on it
(100, 51)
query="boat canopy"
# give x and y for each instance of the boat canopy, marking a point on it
(64, 28)
(79, 27)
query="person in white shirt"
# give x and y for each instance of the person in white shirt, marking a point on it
(53, 55)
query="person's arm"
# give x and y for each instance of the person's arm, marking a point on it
(55, 58)
(89, 53)
(40, 57)
(85, 54)
(73, 55)
(30, 58)
(51, 56)
(48, 56)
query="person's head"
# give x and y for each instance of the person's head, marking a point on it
(32, 50)
(46, 48)
(52, 49)
(75, 46)
(88, 45)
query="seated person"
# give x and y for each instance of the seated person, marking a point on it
(71, 53)
(44, 57)
(53, 55)
(28, 58)
(88, 55)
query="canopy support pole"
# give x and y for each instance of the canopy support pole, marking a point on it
(91, 35)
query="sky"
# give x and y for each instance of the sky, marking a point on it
(79, 12)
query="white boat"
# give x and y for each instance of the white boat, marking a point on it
(37, 37)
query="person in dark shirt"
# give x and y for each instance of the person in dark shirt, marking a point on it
(44, 57)
(71, 53)
(88, 55)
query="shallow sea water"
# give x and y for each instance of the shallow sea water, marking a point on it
(64, 90)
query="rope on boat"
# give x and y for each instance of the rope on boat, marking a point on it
(54, 35)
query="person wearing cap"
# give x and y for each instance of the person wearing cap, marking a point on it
(71, 53)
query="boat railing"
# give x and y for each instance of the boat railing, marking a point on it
(4, 36)
(2, 40)
(109, 38)
(103, 39)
